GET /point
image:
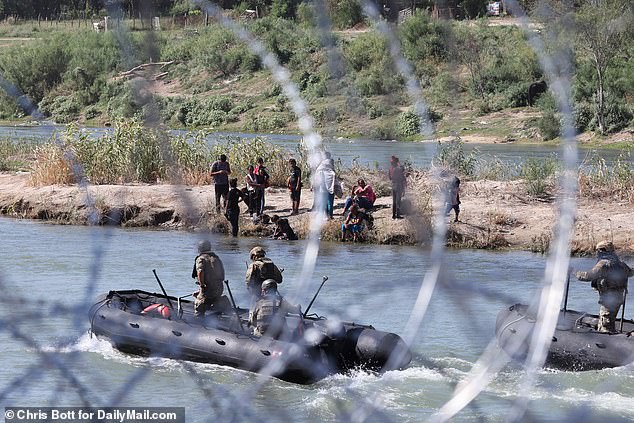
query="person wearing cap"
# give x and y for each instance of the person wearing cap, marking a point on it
(609, 277)
(268, 316)
(209, 274)
(261, 268)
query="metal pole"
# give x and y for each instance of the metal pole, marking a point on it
(162, 289)
(567, 288)
(623, 311)
(325, 278)
(235, 307)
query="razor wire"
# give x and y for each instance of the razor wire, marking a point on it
(489, 362)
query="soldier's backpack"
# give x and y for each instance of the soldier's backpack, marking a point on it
(268, 270)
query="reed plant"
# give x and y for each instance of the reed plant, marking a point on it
(599, 179)
(453, 156)
(539, 175)
(15, 155)
(51, 166)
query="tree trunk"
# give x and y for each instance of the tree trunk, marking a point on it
(600, 98)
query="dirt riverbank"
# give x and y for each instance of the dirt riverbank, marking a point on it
(494, 214)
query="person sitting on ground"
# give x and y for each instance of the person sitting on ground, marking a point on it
(361, 194)
(283, 229)
(268, 317)
(353, 224)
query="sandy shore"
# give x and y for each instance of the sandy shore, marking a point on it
(494, 214)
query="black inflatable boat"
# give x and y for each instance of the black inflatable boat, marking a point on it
(575, 345)
(144, 323)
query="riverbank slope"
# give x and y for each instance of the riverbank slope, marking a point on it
(496, 215)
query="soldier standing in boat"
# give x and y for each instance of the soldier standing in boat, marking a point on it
(609, 278)
(269, 314)
(261, 268)
(209, 274)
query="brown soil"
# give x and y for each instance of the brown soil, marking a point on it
(494, 214)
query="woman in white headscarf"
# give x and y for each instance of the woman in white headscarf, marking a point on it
(325, 179)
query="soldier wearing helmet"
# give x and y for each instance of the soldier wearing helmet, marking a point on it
(209, 274)
(609, 278)
(261, 268)
(268, 316)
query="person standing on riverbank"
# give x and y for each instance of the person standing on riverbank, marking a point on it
(233, 208)
(209, 274)
(263, 179)
(220, 170)
(325, 179)
(453, 198)
(253, 187)
(399, 183)
(609, 277)
(295, 185)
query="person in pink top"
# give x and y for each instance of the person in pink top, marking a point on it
(362, 194)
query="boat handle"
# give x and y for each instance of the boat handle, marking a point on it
(177, 333)
(220, 341)
(134, 325)
(600, 345)
(266, 352)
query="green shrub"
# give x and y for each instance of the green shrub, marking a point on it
(408, 124)
(345, 13)
(372, 109)
(63, 109)
(583, 114)
(451, 155)
(424, 43)
(549, 126)
(516, 95)
(538, 174)
(268, 122)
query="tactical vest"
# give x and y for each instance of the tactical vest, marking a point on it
(268, 270)
(268, 307)
(615, 277)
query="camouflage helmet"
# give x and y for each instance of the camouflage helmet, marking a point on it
(269, 284)
(257, 252)
(204, 246)
(605, 246)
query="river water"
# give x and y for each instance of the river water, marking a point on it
(50, 274)
(366, 152)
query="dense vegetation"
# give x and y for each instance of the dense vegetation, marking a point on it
(215, 81)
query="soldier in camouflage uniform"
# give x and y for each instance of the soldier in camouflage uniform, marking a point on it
(609, 277)
(209, 274)
(261, 268)
(268, 317)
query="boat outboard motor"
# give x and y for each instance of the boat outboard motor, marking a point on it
(383, 350)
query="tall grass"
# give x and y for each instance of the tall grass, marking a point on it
(133, 153)
(539, 175)
(15, 155)
(599, 179)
